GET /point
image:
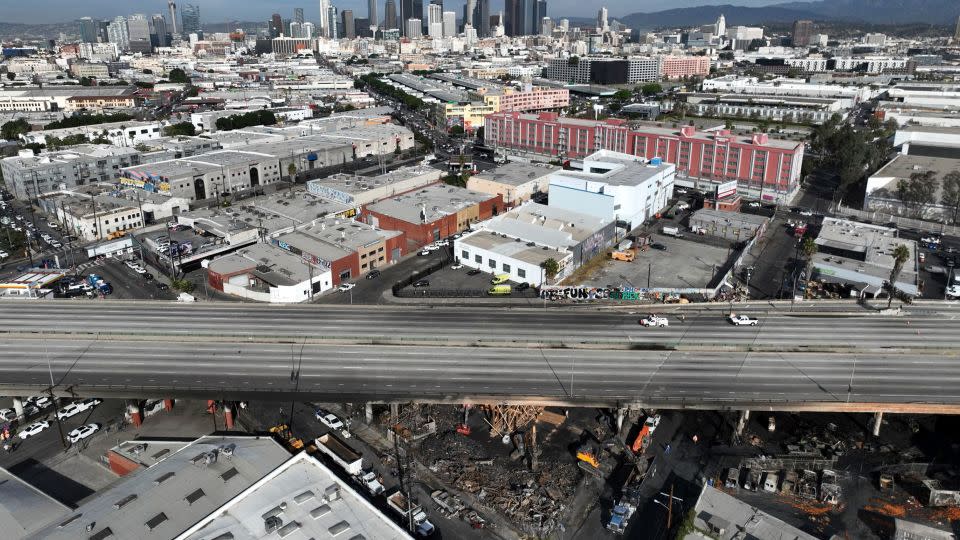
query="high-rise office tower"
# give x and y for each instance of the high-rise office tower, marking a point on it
(518, 17)
(372, 14)
(546, 26)
(159, 37)
(434, 20)
(324, 28)
(418, 13)
(509, 18)
(801, 33)
(449, 23)
(117, 32)
(276, 25)
(721, 25)
(414, 28)
(539, 12)
(190, 19)
(298, 15)
(308, 30)
(295, 30)
(172, 9)
(602, 20)
(88, 30)
(481, 18)
(346, 23)
(333, 22)
(437, 2)
(468, 12)
(390, 15)
(956, 35)
(406, 13)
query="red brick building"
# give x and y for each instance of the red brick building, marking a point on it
(763, 167)
(431, 213)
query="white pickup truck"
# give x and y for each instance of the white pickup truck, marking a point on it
(655, 321)
(743, 320)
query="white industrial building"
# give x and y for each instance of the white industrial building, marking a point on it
(518, 242)
(615, 186)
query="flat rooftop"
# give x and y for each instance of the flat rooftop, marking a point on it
(545, 225)
(353, 184)
(81, 152)
(902, 166)
(69, 91)
(516, 173)
(616, 169)
(164, 500)
(738, 519)
(436, 201)
(511, 247)
(268, 262)
(874, 241)
(311, 501)
(24, 509)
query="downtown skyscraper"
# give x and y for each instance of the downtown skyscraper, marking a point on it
(190, 17)
(372, 14)
(390, 15)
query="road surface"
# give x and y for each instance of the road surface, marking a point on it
(575, 356)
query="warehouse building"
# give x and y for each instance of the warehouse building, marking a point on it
(434, 212)
(515, 181)
(28, 176)
(268, 273)
(764, 167)
(356, 190)
(861, 255)
(614, 187)
(196, 178)
(518, 242)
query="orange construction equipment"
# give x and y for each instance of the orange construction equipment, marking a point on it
(627, 256)
(642, 440)
(463, 429)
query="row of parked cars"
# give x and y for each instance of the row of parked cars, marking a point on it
(36, 404)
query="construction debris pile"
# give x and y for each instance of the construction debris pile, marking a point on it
(533, 500)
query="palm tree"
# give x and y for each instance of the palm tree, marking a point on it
(900, 255)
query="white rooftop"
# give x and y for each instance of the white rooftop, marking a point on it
(310, 500)
(739, 520)
(25, 509)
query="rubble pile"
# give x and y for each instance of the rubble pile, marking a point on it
(533, 500)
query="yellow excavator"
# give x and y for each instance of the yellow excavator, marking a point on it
(285, 436)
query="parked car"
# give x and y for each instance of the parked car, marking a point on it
(658, 246)
(522, 287)
(41, 402)
(147, 276)
(473, 272)
(8, 415)
(373, 274)
(743, 320)
(34, 429)
(456, 266)
(77, 407)
(82, 432)
(344, 287)
(329, 419)
(162, 286)
(421, 283)
(424, 253)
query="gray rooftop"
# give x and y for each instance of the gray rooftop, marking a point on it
(437, 201)
(432, 88)
(69, 91)
(615, 169)
(353, 184)
(25, 509)
(706, 217)
(79, 153)
(512, 247)
(162, 501)
(545, 225)
(311, 501)
(741, 520)
(516, 173)
(902, 166)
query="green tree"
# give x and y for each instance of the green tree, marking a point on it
(622, 95)
(479, 133)
(180, 129)
(550, 267)
(900, 255)
(13, 129)
(951, 193)
(873, 122)
(11, 75)
(456, 131)
(919, 191)
(650, 89)
(177, 75)
(291, 170)
(809, 249)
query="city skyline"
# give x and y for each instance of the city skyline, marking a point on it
(62, 11)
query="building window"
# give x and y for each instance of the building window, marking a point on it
(521, 272)
(506, 267)
(492, 263)
(478, 259)
(465, 255)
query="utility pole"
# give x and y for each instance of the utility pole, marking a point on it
(670, 508)
(53, 398)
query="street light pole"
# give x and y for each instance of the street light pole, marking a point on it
(53, 398)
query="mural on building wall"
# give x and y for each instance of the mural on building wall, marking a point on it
(330, 193)
(307, 257)
(153, 183)
(593, 245)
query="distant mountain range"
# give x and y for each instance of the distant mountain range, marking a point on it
(867, 11)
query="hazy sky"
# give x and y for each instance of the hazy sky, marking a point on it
(47, 11)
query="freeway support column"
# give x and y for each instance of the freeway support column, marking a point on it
(621, 414)
(228, 414)
(877, 422)
(18, 407)
(168, 405)
(742, 423)
(368, 412)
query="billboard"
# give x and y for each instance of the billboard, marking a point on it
(727, 189)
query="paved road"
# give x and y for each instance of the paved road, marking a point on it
(572, 328)
(556, 355)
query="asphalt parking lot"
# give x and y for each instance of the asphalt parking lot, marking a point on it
(685, 264)
(129, 285)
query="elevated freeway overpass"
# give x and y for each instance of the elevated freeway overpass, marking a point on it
(805, 360)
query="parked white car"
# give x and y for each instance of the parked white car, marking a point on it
(34, 429)
(344, 287)
(654, 320)
(329, 419)
(82, 432)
